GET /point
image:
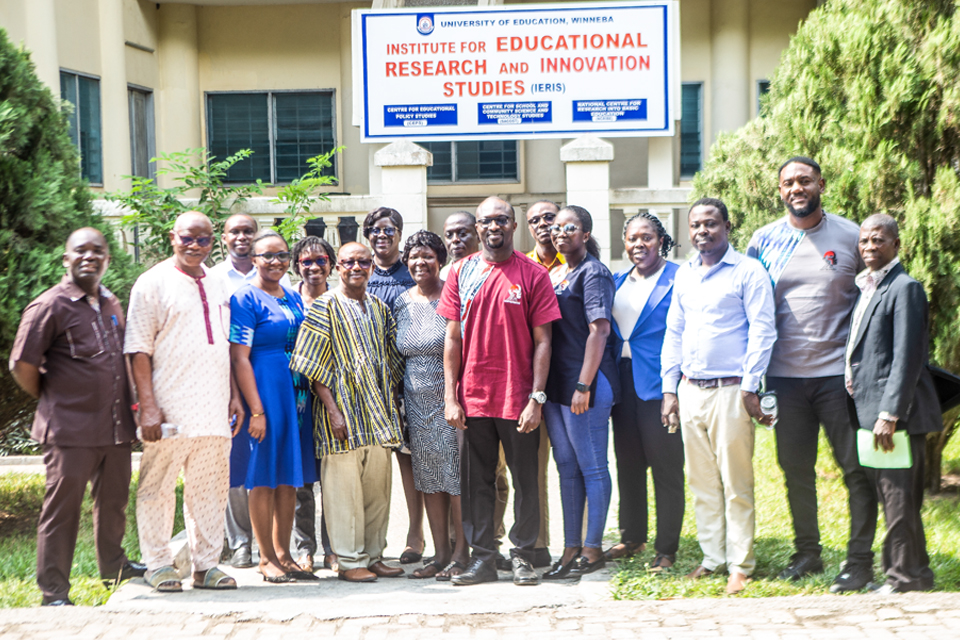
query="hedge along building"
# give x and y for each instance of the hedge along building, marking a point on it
(276, 76)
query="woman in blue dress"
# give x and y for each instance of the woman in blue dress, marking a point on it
(264, 320)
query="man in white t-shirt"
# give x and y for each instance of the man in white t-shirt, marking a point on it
(236, 271)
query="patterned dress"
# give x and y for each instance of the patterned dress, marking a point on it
(269, 325)
(433, 442)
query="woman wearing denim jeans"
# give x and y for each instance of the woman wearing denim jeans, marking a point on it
(581, 389)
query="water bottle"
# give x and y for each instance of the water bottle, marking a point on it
(770, 407)
(168, 430)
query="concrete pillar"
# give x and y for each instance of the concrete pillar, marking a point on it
(662, 162)
(179, 105)
(730, 62)
(403, 182)
(40, 38)
(587, 161)
(114, 104)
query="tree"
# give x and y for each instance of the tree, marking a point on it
(153, 210)
(42, 200)
(868, 88)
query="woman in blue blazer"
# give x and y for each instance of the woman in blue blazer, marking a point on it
(639, 438)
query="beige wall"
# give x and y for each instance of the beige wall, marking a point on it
(78, 35)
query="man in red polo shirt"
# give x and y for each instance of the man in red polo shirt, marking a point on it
(499, 305)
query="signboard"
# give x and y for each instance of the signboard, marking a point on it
(518, 71)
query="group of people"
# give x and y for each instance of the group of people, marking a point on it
(258, 390)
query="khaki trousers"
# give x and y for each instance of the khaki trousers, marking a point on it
(718, 439)
(205, 461)
(356, 504)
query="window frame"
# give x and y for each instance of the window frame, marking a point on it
(76, 114)
(700, 85)
(454, 180)
(150, 117)
(272, 126)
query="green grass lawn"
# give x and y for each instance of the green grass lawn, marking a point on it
(20, 499)
(774, 536)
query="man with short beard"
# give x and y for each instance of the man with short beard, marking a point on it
(499, 307)
(813, 258)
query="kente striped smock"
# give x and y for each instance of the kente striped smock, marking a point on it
(355, 355)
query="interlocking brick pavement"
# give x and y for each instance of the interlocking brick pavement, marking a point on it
(926, 616)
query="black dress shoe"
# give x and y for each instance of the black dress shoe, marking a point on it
(57, 603)
(582, 566)
(523, 573)
(477, 572)
(853, 577)
(801, 565)
(560, 570)
(503, 564)
(130, 569)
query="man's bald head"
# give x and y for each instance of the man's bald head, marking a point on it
(192, 219)
(494, 206)
(86, 234)
(354, 249)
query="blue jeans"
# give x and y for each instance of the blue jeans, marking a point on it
(580, 450)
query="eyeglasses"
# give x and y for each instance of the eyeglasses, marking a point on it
(320, 262)
(546, 217)
(567, 228)
(363, 264)
(500, 221)
(379, 231)
(202, 241)
(282, 256)
(462, 234)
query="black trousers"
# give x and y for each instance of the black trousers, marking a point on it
(68, 471)
(641, 441)
(479, 454)
(904, 558)
(805, 404)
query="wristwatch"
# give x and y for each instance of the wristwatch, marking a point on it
(583, 388)
(539, 396)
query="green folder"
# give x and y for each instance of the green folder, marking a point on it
(899, 458)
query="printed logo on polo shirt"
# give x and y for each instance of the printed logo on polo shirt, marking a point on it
(829, 261)
(514, 296)
(560, 287)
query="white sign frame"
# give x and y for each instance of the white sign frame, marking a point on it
(429, 115)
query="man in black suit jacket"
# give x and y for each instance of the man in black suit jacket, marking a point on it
(892, 390)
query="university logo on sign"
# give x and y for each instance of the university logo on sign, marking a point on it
(425, 23)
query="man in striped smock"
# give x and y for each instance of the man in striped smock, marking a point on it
(347, 349)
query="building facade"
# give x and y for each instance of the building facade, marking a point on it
(275, 76)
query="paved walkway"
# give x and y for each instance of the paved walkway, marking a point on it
(910, 617)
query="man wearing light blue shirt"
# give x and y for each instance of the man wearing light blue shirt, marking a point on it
(720, 333)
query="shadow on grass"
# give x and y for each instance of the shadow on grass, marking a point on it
(21, 496)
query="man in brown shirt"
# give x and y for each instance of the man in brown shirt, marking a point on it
(69, 353)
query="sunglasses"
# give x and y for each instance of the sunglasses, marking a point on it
(320, 262)
(379, 231)
(500, 221)
(567, 228)
(282, 256)
(201, 241)
(546, 217)
(363, 264)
